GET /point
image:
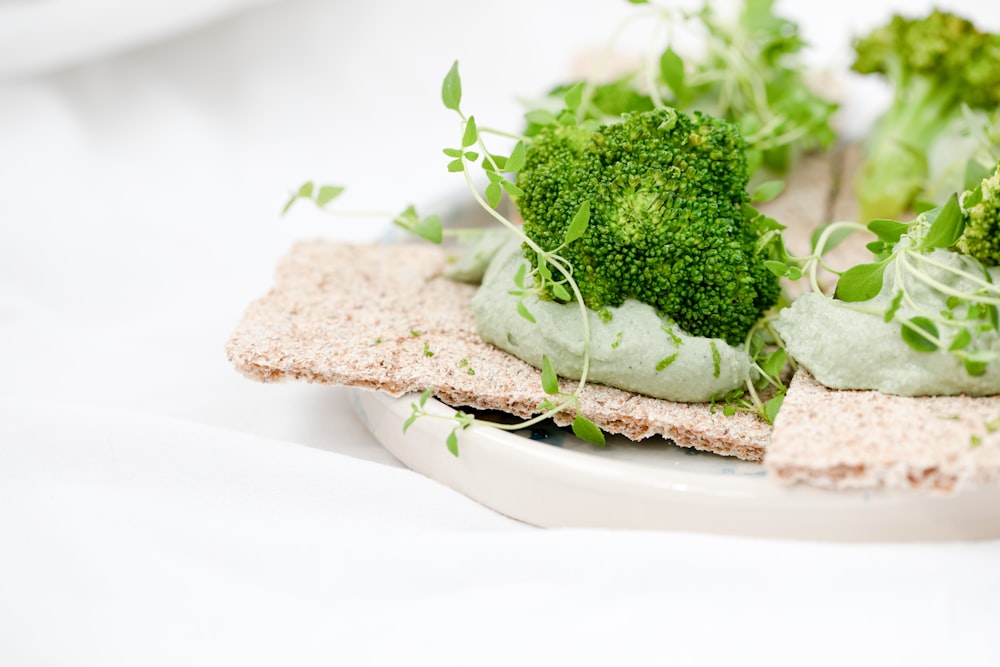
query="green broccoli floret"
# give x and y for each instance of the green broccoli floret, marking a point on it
(667, 227)
(934, 64)
(981, 236)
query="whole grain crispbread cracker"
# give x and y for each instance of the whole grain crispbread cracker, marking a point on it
(845, 439)
(393, 323)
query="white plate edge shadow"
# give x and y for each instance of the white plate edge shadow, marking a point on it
(549, 486)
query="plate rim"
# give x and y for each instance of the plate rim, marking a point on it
(548, 486)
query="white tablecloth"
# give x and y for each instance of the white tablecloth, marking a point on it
(156, 508)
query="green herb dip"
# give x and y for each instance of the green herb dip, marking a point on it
(635, 349)
(847, 349)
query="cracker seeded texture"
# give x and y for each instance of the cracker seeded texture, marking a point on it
(844, 439)
(320, 323)
(354, 327)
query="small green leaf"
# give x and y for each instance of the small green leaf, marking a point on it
(471, 134)
(574, 96)
(493, 162)
(429, 228)
(550, 381)
(878, 248)
(543, 269)
(779, 269)
(451, 88)
(961, 340)
(327, 194)
(947, 226)
(973, 198)
(794, 273)
(453, 152)
(767, 191)
(456, 166)
(493, 194)
(511, 188)
(765, 223)
(889, 231)
(523, 311)
(560, 292)
(975, 311)
(861, 282)
(772, 407)
(587, 431)
(304, 192)
(893, 307)
(566, 117)
(672, 72)
(836, 237)
(516, 160)
(519, 276)
(541, 117)
(578, 225)
(452, 442)
(409, 422)
(917, 333)
(546, 405)
(749, 212)
(774, 362)
(974, 367)
(471, 156)
(424, 396)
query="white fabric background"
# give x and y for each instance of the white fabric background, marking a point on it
(158, 509)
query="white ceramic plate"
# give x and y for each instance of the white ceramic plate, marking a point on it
(547, 477)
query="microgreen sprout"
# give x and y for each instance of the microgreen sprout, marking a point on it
(551, 273)
(748, 72)
(557, 401)
(904, 254)
(428, 227)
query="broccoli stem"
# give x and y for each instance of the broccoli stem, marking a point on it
(896, 168)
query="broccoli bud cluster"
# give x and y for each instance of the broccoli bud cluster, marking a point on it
(934, 64)
(981, 236)
(667, 226)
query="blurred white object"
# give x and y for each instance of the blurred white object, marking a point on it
(38, 36)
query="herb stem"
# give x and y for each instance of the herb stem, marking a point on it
(567, 273)
(939, 286)
(506, 135)
(979, 282)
